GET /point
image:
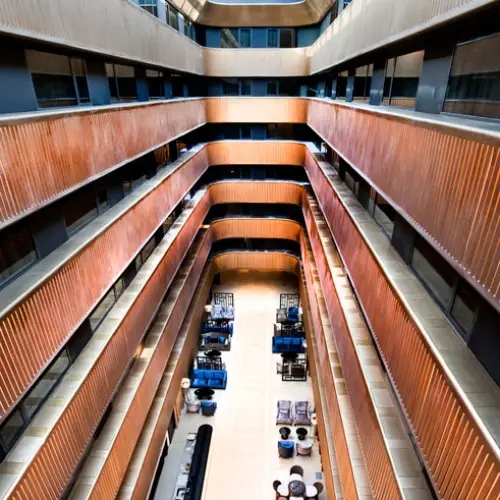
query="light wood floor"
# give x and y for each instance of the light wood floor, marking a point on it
(243, 460)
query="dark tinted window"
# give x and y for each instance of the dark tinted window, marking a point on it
(465, 307)
(474, 83)
(433, 271)
(52, 79)
(17, 252)
(384, 214)
(79, 209)
(272, 87)
(246, 87)
(272, 38)
(341, 85)
(245, 38)
(156, 87)
(230, 87)
(287, 38)
(229, 38)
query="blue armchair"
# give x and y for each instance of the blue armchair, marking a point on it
(293, 314)
(211, 379)
(288, 344)
(208, 408)
(285, 449)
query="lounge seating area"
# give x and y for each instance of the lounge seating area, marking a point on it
(296, 487)
(222, 307)
(288, 344)
(213, 379)
(211, 341)
(298, 413)
(211, 326)
(289, 330)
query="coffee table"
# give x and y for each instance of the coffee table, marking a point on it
(290, 356)
(301, 433)
(213, 353)
(204, 393)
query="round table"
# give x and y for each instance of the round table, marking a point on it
(301, 433)
(297, 488)
(285, 432)
(204, 393)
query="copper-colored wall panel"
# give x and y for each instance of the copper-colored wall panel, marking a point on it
(322, 358)
(138, 482)
(231, 63)
(445, 179)
(255, 228)
(50, 465)
(326, 444)
(51, 154)
(34, 330)
(256, 153)
(454, 446)
(256, 109)
(256, 192)
(262, 261)
(116, 459)
(366, 25)
(383, 479)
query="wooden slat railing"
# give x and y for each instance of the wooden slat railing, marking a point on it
(459, 452)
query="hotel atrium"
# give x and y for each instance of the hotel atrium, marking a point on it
(250, 249)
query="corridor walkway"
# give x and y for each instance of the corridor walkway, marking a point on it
(243, 460)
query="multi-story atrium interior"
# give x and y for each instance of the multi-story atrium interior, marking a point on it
(250, 249)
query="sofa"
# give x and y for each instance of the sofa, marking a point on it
(211, 379)
(212, 327)
(220, 342)
(293, 314)
(288, 344)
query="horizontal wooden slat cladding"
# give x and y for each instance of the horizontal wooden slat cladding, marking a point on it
(383, 477)
(458, 453)
(110, 455)
(255, 228)
(34, 329)
(54, 442)
(256, 153)
(142, 468)
(445, 179)
(366, 25)
(260, 261)
(47, 155)
(332, 382)
(256, 192)
(256, 110)
(231, 63)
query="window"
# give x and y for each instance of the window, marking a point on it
(246, 132)
(246, 87)
(272, 38)
(149, 6)
(402, 83)
(52, 79)
(362, 83)
(156, 87)
(341, 85)
(433, 271)
(272, 131)
(287, 87)
(229, 38)
(40, 391)
(231, 87)
(287, 38)
(272, 87)
(173, 21)
(384, 214)
(465, 307)
(17, 252)
(474, 83)
(80, 76)
(125, 77)
(79, 209)
(148, 249)
(102, 309)
(11, 429)
(245, 38)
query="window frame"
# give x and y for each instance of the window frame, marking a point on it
(277, 38)
(240, 31)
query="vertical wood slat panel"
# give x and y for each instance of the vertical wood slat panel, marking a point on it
(424, 390)
(74, 289)
(50, 466)
(323, 356)
(376, 457)
(116, 459)
(451, 192)
(142, 468)
(51, 154)
(78, 285)
(242, 227)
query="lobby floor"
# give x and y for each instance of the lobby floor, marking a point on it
(243, 460)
